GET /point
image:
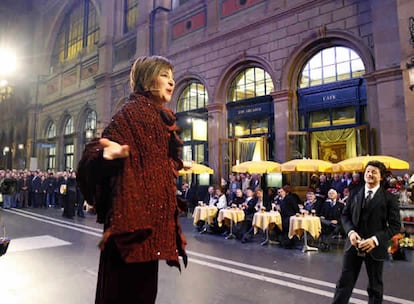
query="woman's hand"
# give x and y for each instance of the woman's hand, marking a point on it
(113, 150)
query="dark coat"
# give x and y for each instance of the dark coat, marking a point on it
(382, 219)
(24, 184)
(9, 186)
(288, 207)
(331, 213)
(36, 184)
(51, 184)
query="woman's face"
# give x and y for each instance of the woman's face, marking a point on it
(163, 87)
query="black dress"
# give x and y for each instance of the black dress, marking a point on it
(69, 199)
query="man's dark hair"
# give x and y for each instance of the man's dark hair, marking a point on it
(379, 165)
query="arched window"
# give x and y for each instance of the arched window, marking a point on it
(91, 121)
(69, 127)
(194, 96)
(251, 82)
(130, 15)
(79, 32)
(51, 130)
(51, 150)
(330, 65)
(69, 147)
(192, 119)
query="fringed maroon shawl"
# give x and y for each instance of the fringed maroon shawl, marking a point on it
(141, 213)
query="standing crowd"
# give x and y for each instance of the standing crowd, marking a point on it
(41, 189)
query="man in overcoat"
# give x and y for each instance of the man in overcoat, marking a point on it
(370, 218)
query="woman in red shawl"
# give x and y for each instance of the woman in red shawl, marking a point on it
(129, 175)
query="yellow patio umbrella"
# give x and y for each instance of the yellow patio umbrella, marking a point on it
(358, 163)
(257, 167)
(193, 168)
(307, 165)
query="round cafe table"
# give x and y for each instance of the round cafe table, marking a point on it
(231, 215)
(206, 214)
(266, 221)
(302, 225)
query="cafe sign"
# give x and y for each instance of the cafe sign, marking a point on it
(250, 111)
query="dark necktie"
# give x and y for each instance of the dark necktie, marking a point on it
(368, 198)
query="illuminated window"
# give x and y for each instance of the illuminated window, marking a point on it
(51, 151)
(79, 32)
(90, 123)
(5, 92)
(69, 127)
(251, 82)
(51, 158)
(330, 65)
(130, 15)
(194, 96)
(251, 127)
(199, 153)
(199, 129)
(69, 149)
(51, 130)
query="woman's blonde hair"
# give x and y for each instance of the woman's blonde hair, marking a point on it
(144, 71)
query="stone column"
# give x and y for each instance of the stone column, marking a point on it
(385, 94)
(102, 79)
(282, 113)
(407, 53)
(216, 130)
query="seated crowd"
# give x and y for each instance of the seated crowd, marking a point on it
(326, 199)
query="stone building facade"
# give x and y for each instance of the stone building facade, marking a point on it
(214, 45)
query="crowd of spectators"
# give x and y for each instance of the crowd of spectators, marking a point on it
(41, 189)
(326, 197)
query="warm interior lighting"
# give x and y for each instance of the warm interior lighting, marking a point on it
(199, 129)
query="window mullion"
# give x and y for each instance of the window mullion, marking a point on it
(85, 23)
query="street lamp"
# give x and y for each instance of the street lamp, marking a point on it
(410, 68)
(21, 156)
(89, 134)
(7, 154)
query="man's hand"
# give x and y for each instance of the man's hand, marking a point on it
(367, 245)
(354, 238)
(113, 150)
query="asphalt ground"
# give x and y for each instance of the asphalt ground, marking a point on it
(55, 260)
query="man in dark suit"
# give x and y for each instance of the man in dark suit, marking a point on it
(330, 215)
(289, 206)
(36, 188)
(370, 218)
